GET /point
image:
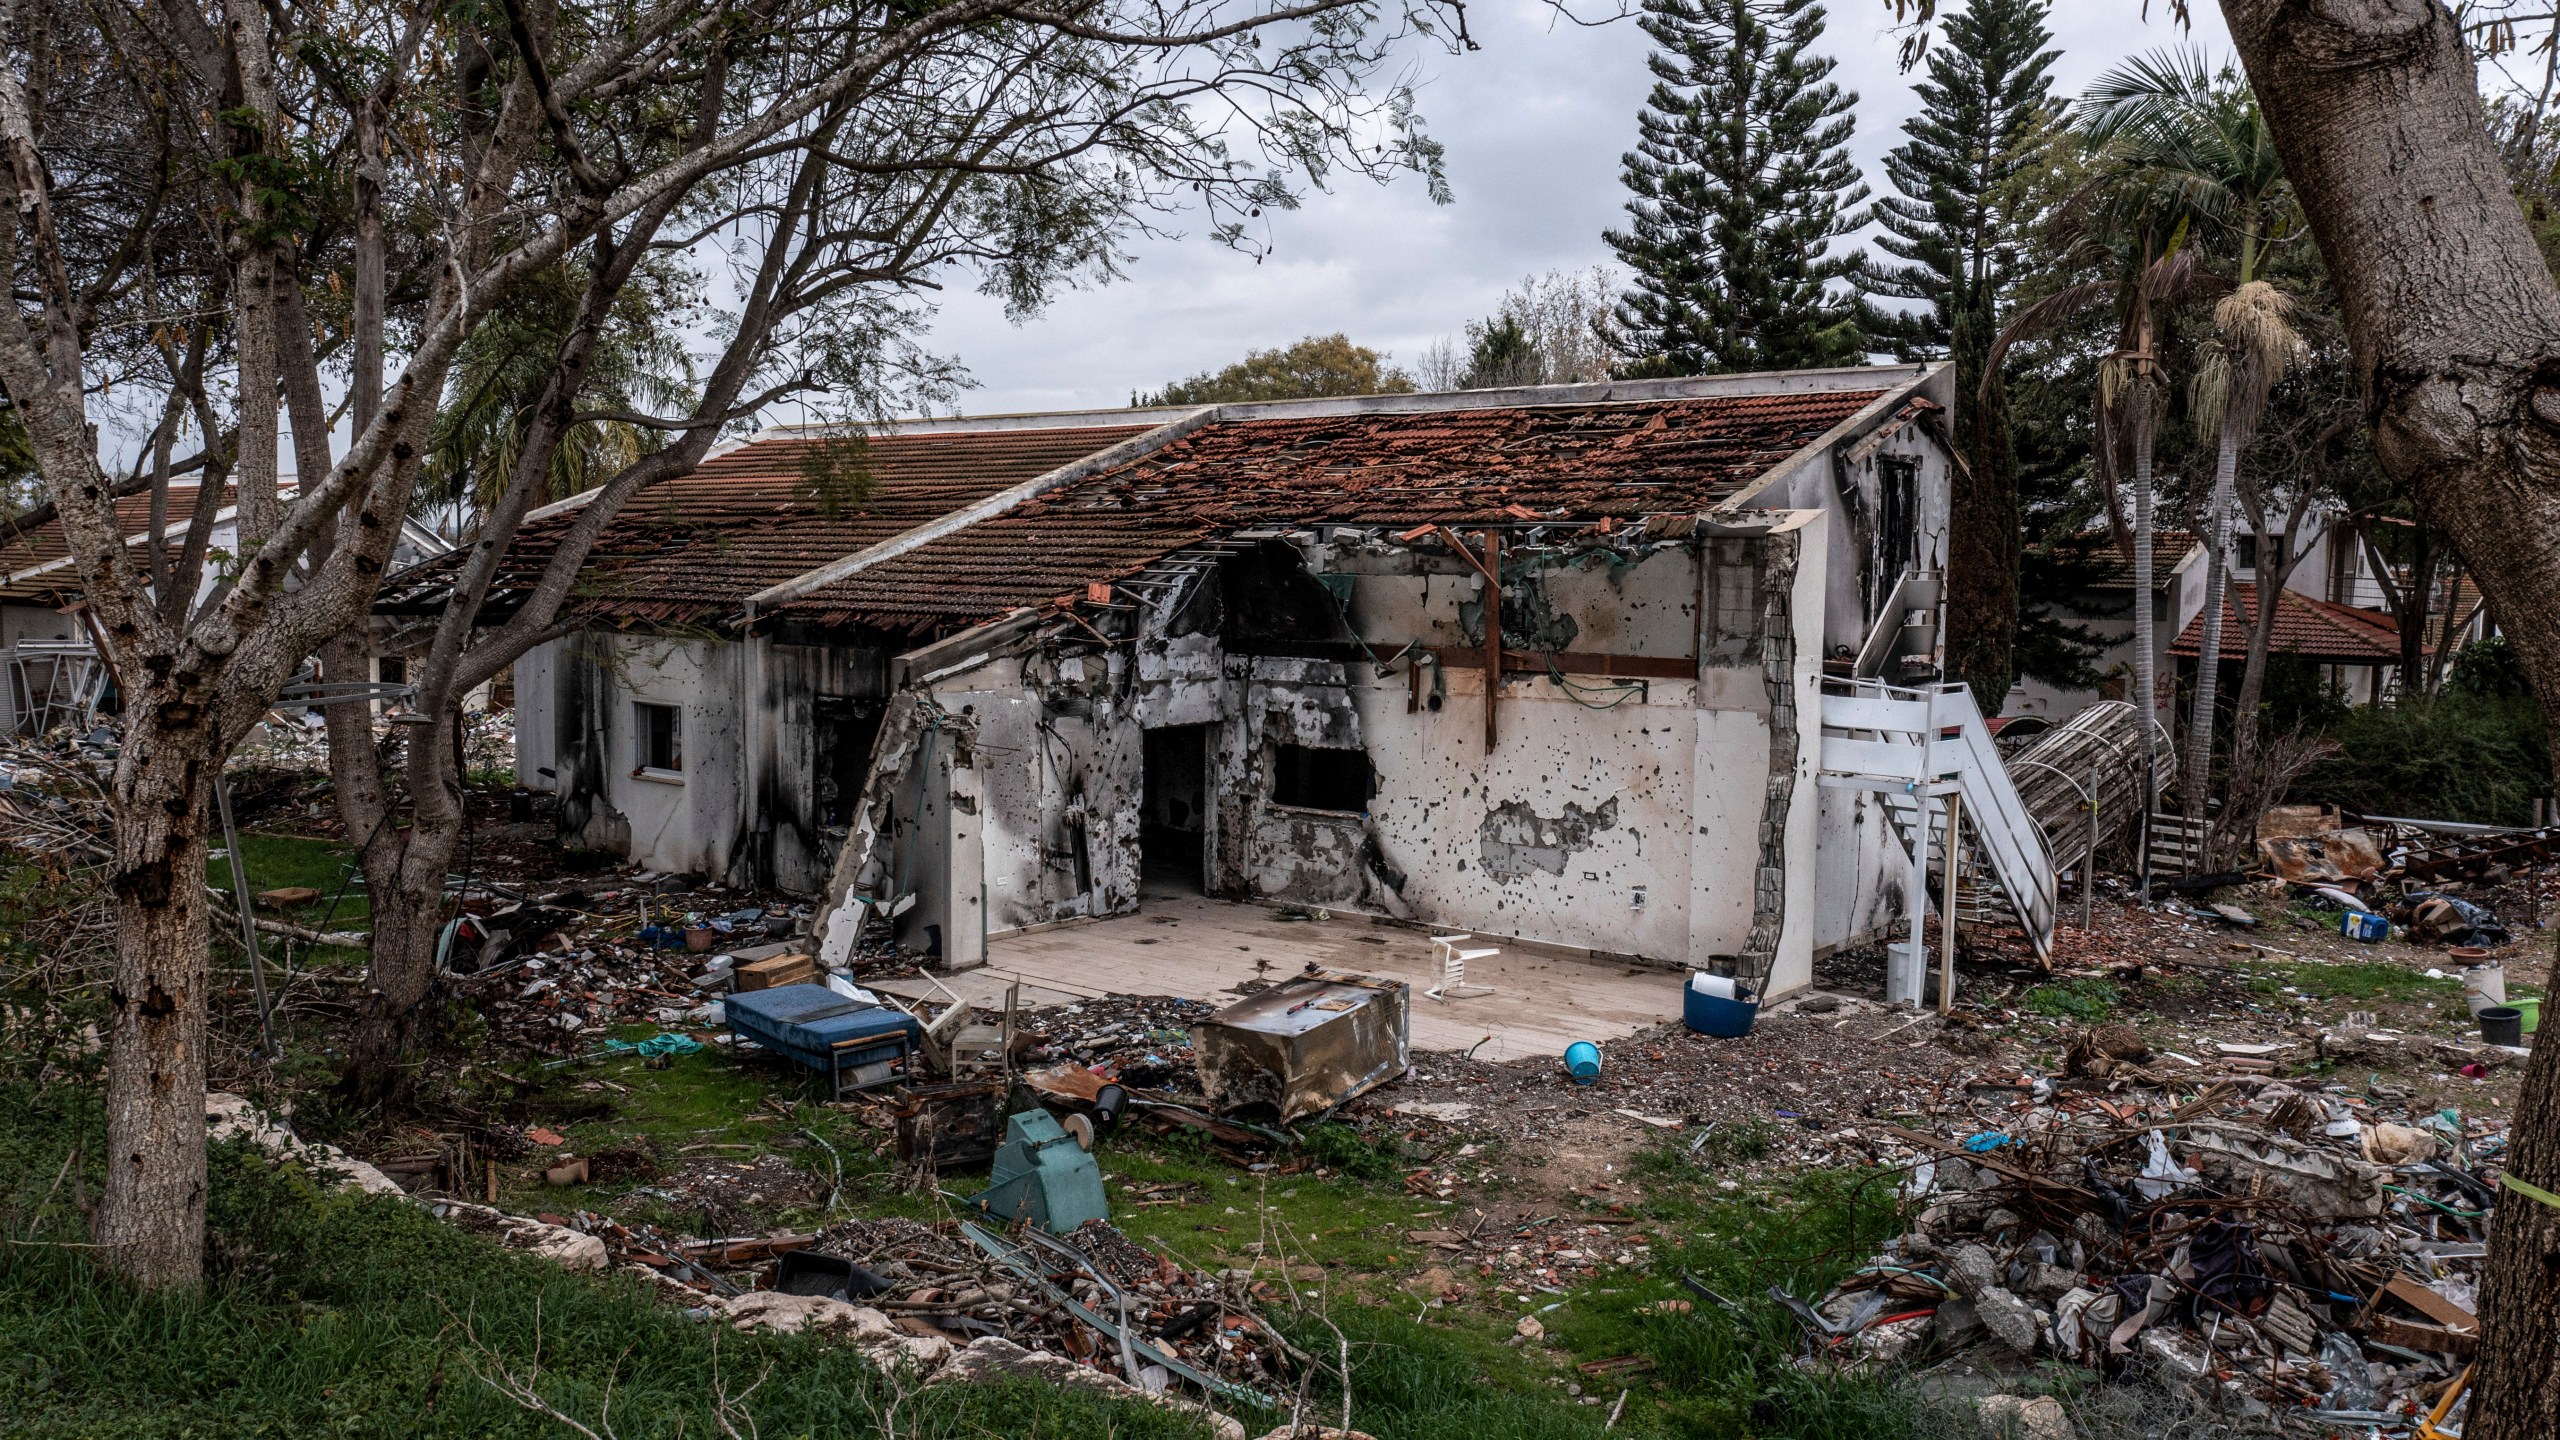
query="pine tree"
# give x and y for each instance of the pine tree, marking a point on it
(1740, 181)
(1960, 226)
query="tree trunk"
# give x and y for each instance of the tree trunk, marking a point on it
(1982, 537)
(151, 1221)
(405, 871)
(2146, 685)
(2455, 322)
(2198, 771)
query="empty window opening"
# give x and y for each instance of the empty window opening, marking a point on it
(1321, 779)
(1173, 810)
(657, 737)
(1734, 602)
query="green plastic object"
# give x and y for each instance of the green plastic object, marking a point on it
(1041, 1175)
(2532, 1013)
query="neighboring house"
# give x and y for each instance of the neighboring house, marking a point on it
(51, 668)
(2355, 650)
(1049, 661)
(2336, 617)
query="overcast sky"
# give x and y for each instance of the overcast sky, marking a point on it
(1534, 124)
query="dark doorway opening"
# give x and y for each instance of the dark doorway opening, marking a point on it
(1173, 813)
(846, 730)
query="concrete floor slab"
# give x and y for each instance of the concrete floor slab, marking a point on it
(1542, 999)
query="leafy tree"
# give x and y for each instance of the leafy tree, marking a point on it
(319, 209)
(1502, 355)
(1960, 225)
(1739, 182)
(1317, 366)
(502, 370)
(1555, 329)
(2189, 142)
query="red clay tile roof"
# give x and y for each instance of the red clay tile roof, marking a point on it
(2312, 629)
(47, 543)
(1567, 463)
(2110, 570)
(693, 549)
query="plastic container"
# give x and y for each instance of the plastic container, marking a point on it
(2502, 1025)
(2359, 925)
(2483, 985)
(2532, 1012)
(1726, 1019)
(1582, 1061)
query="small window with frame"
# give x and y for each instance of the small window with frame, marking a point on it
(657, 741)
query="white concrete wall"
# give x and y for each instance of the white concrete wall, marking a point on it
(686, 822)
(538, 718)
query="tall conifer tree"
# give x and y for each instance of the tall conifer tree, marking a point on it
(1741, 180)
(1959, 226)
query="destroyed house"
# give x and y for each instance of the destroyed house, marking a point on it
(1542, 663)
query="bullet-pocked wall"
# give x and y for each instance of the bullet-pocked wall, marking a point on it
(1617, 815)
(1889, 495)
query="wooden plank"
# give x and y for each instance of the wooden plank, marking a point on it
(1492, 631)
(2430, 1304)
(1874, 757)
(1862, 712)
(2434, 1339)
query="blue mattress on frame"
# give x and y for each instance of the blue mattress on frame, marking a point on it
(810, 1022)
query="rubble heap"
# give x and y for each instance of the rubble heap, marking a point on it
(2294, 1248)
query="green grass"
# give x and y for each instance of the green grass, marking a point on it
(2359, 980)
(275, 862)
(330, 1316)
(2087, 1001)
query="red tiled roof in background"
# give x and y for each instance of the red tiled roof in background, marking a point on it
(2312, 629)
(2111, 570)
(1567, 463)
(695, 548)
(47, 543)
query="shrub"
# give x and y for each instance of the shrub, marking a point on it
(2457, 756)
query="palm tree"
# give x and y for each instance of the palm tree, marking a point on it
(2142, 263)
(2184, 140)
(501, 374)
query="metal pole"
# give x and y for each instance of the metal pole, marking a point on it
(248, 925)
(1947, 910)
(2089, 865)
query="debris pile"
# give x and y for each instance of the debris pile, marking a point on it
(2297, 1249)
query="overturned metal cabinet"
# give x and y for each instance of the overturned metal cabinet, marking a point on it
(1306, 1044)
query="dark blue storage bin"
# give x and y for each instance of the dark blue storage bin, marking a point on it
(1717, 1016)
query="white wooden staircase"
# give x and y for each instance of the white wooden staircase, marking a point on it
(1915, 748)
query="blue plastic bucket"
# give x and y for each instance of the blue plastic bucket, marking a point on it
(2357, 925)
(1582, 1061)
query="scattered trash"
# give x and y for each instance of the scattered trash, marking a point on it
(2289, 1246)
